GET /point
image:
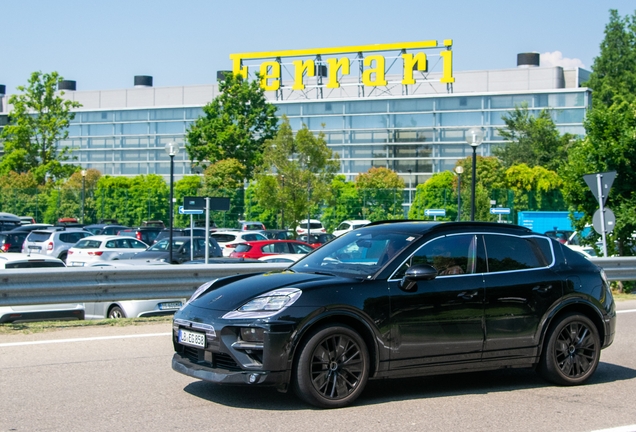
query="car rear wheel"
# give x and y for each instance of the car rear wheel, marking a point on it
(63, 256)
(332, 367)
(572, 351)
(116, 312)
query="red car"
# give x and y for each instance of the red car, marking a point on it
(257, 249)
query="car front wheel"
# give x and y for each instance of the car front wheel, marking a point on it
(332, 367)
(572, 351)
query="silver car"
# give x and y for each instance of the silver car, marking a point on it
(54, 242)
(131, 308)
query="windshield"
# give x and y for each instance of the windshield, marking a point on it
(357, 254)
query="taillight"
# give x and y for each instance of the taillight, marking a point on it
(96, 253)
(49, 246)
(5, 247)
(138, 235)
(70, 252)
(231, 245)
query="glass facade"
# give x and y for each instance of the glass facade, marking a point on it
(423, 134)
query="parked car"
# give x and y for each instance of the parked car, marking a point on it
(316, 240)
(350, 225)
(278, 234)
(26, 220)
(153, 223)
(281, 258)
(314, 227)
(11, 241)
(60, 311)
(180, 250)
(400, 299)
(105, 228)
(183, 232)
(145, 234)
(103, 248)
(251, 226)
(9, 221)
(257, 249)
(229, 239)
(54, 242)
(31, 227)
(562, 236)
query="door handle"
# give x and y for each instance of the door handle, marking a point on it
(542, 289)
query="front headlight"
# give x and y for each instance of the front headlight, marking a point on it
(201, 290)
(267, 304)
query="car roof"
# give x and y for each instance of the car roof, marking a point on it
(103, 237)
(421, 227)
(270, 241)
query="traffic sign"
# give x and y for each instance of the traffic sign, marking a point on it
(609, 219)
(193, 203)
(189, 212)
(607, 178)
(499, 210)
(435, 212)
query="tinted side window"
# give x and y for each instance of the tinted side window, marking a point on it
(451, 255)
(506, 253)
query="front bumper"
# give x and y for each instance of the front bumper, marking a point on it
(205, 372)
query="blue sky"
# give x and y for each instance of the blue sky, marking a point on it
(104, 44)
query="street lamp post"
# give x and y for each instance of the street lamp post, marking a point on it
(172, 149)
(459, 170)
(410, 185)
(474, 137)
(83, 193)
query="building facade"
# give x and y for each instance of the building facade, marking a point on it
(415, 130)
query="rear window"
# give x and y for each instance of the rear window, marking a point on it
(34, 264)
(223, 238)
(313, 225)
(88, 244)
(243, 248)
(36, 236)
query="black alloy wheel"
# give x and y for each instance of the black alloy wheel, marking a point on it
(572, 351)
(116, 312)
(332, 367)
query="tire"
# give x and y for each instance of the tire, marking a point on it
(572, 351)
(331, 368)
(116, 312)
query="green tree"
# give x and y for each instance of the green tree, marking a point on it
(610, 145)
(38, 120)
(438, 192)
(381, 190)
(296, 174)
(70, 196)
(344, 203)
(535, 188)
(225, 179)
(236, 124)
(613, 77)
(532, 140)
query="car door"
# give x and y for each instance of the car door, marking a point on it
(521, 286)
(440, 321)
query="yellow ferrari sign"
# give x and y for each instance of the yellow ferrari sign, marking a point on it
(335, 63)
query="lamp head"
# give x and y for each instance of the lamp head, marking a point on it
(459, 169)
(172, 149)
(474, 136)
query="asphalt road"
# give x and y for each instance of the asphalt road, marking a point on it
(119, 378)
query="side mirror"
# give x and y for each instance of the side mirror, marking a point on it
(417, 273)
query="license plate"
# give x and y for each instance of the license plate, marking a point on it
(77, 264)
(192, 338)
(169, 305)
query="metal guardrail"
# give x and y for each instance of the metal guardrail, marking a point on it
(95, 284)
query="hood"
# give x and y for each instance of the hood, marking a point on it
(231, 293)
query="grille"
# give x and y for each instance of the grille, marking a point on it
(219, 360)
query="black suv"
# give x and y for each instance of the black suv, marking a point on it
(400, 299)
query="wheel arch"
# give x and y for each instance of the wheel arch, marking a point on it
(575, 306)
(356, 322)
(114, 305)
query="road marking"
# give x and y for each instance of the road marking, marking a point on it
(626, 311)
(2, 345)
(630, 428)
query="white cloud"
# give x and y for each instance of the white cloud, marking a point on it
(556, 59)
